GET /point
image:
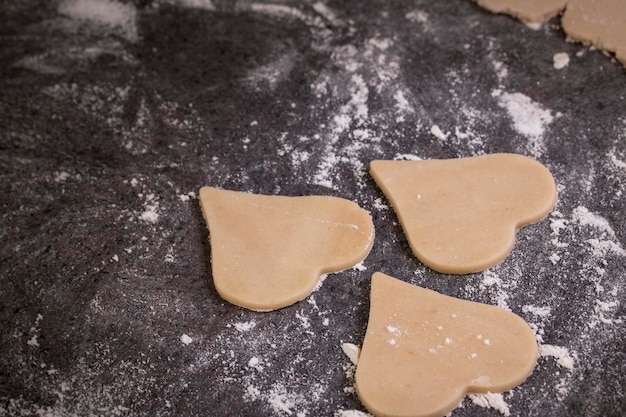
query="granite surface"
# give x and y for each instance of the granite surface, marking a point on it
(114, 114)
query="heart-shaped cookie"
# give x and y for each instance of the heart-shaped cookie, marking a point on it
(268, 252)
(601, 23)
(528, 11)
(461, 215)
(424, 351)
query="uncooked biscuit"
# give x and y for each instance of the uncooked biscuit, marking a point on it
(601, 23)
(531, 11)
(268, 252)
(424, 351)
(460, 215)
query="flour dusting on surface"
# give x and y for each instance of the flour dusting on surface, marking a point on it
(491, 400)
(529, 118)
(109, 13)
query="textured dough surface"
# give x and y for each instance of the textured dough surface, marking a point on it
(460, 215)
(601, 23)
(268, 252)
(531, 11)
(423, 351)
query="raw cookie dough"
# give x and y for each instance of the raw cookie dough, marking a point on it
(424, 351)
(531, 11)
(460, 215)
(269, 251)
(601, 23)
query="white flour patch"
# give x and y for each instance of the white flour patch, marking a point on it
(150, 214)
(502, 72)
(269, 76)
(406, 157)
(603, 310)
(327, 13)
(562, 355)
(352, 351)
(279, 10)
(438, 133)
(352, 413)
(362, 70)
(417, 16)
(498, 288)
(582, 216)
(604, 243)
(537, 311)
(194, 4)
(378, 204)
(244, 326)
(529, 118)
(255, 363)
(491, 400)
(60, 177)
(120, 17)
(402, 105)
(560, 60)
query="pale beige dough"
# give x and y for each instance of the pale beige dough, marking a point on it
(423, 351)
(601, 23)
(460, 215)
(532, 11)
(268, 252)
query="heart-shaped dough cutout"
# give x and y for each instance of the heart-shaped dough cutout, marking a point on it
(268, 252)
(423, 351)
(528, 11)
(460, 215)
(601, 23)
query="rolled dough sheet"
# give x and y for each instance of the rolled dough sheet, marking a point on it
(601, 23)
(460, 215)
(531, 11)
(424, 351)
(268, 252)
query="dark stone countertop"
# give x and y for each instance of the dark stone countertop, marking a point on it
(113, 114)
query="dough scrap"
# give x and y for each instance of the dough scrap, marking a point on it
(601, 23)
(530, 11)
(268, 252)
(460, 215)
(423, 351)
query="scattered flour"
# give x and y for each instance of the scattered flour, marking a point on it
(417, 16)
(255, 363)
(245, 326)
(616, 161)
(436, 132)
(351, 413)
(406, 157)
(605, 243)
(537, 311)
(108, 13)
(560, 60)
(529, 118)
(61, 176)
(582, 216)
(352, 351)
(498, 287)
(604, 308)
(194, 4)
(563, 357)
(491, 400)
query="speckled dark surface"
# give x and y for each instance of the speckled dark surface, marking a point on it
(107, 121)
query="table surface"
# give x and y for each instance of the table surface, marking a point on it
(113, 116)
